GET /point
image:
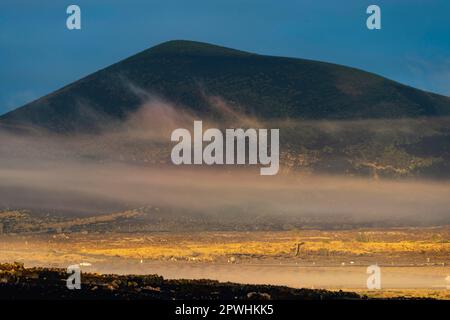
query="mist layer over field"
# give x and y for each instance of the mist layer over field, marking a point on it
(89, 188)
(128, 165)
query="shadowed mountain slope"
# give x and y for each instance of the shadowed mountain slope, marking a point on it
(190, 73)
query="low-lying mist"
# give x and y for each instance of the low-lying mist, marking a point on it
(128, 166)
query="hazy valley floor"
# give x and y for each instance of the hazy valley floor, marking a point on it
(414, 261)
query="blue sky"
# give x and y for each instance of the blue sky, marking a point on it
(39, 55)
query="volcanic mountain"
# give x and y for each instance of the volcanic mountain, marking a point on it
(187, 73)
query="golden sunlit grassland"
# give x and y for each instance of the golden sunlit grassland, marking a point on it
(390, 246)
(393, 246)
(194, 250)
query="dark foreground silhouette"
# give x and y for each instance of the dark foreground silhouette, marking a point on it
(18, 282)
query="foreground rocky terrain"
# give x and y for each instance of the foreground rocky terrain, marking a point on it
(18, 282)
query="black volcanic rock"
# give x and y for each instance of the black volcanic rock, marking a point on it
(186, 73)
(19, 283)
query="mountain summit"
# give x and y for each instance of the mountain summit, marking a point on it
(188, 73)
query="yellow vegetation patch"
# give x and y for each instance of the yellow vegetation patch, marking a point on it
(209, 251)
